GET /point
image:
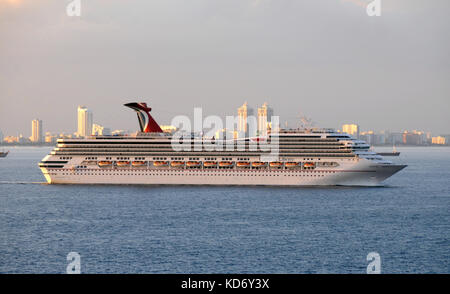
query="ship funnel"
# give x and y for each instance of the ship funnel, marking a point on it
(146, 121)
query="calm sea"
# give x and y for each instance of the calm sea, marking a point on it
(145, 229)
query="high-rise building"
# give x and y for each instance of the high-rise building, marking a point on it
(37, 134)
(414, 138)
(98, 130)
(84, 122)
(244, 114)
(438, 140)
(264, 116)
(1, 136)
(395, 138)
(351, 129)
(368, 137)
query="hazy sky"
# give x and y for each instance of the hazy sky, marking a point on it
(326, 59)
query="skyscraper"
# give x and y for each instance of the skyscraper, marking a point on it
(36, 131)
(84, 121)
(351, 129)
(264, 115)
(244, 113)
(98, 130)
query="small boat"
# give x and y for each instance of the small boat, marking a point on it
(389, 153)
(193, 164)
(309, 164)
(243, 164)
(177, 163)
(4, 154)
(258, 164)
(104, 163)
(210, 163)
(225, 164)
(123, 163)
(393, 153)
(292, 164)
(160, 163)
(139, 163)
(276, 164)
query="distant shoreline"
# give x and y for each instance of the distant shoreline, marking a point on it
(27, 145)
(400, 146)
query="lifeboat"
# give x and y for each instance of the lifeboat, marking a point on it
(123, 163)
(193, 164)
(225, 164)
(276, 164)
(139, 163)
(243, 164)
(160, 163)
(210, 163)
(292, 164)
(309, 164)
(104, 163)
(258, 164)
(177, 163)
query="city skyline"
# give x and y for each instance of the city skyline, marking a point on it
(343, 66)
(247, 123)
(293, 122)
(249, 110)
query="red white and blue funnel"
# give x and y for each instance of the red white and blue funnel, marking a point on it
(146, 121)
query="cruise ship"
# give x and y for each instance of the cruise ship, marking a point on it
(303, 157)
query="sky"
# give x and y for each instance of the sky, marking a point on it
(323, 59)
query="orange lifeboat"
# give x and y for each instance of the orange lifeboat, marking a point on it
(292, 164)
(123, 163)
(309, 164)
(139, 163)
(104, 163)
(210, 163)
(193, 164)
(177, 163)
(243, 164)
(160, 163)
(258, 164)
(276, 164)
(225, 164)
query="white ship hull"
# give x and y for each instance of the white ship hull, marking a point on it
(363, 173)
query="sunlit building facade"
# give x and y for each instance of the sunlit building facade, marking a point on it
(98, 130)
(438, 140)
(246, 121)
(84, 122)
(37, 135)
(265, 114)
(351, 129)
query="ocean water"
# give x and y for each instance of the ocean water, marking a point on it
(185, 229)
